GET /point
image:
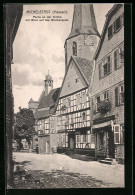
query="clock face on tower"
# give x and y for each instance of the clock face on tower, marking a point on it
(88, 40)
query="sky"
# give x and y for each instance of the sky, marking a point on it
(39, 47)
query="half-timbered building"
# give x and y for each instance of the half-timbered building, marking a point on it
(45, 124)
(73, 109)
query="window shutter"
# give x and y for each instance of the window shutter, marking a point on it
(100, 70)
(116, 97)
(114, 27)
(116, 134)
(122, 19)
(109, 64)
(115, 59)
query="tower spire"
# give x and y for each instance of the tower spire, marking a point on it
(83, 39)
(84, 21)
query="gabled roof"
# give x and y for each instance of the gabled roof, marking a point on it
(109, 15)
(41, 114)
(85, 67)
(50, 99)
(47, 102)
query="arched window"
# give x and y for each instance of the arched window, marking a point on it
(74, 48)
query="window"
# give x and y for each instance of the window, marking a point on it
(78, 99)
(71, 119)
(64, 139)
(76, 80)
(84, 138)
(77, 138)
(105, 95)
(97, 101)
(52, 124)
(116, 59)
(83, 116)
(105, 69)
(116, 134)
(117, 24)
(116, 97)
(74, 48)
(106, 66)
(110, 32)
(121, 54)
(83, 97)
(68, 102)
(122, 134)
(64, 102)
(119, 95)
(67, 120)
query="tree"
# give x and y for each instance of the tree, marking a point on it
(24, 127)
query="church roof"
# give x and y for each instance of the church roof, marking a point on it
(84, 21)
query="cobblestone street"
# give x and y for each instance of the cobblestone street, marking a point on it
(57, 179)
(60, 171)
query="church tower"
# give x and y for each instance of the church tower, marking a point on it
(84, 37)
(48, 84)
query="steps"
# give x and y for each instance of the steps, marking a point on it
(109, 161)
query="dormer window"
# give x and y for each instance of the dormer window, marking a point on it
(74, 48)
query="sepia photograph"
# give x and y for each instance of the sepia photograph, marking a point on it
(65, 120)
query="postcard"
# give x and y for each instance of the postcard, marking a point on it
(65, 124)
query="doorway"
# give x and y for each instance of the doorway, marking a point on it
(111, 146)
(71, 141)
(47, 147)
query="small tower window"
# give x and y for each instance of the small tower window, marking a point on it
(74, 48)
(76, 80)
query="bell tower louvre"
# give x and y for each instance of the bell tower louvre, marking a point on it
(84, 36)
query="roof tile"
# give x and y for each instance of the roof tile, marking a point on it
(85, 66)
